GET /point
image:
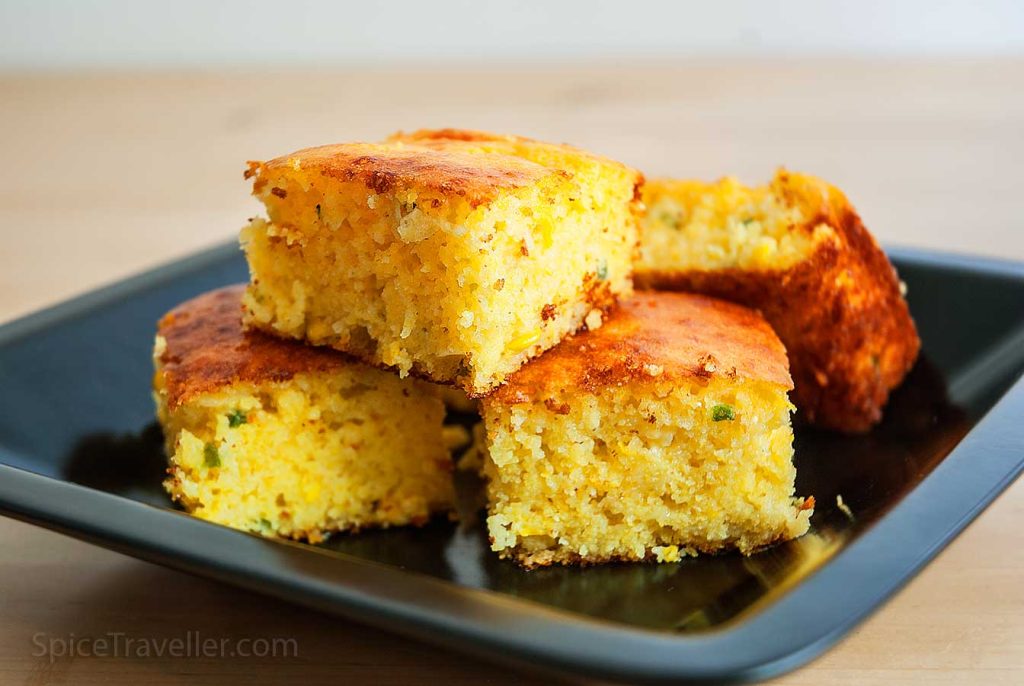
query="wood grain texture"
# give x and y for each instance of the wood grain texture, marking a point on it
(105, 175)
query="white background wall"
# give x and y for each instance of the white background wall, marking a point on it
(57, 34)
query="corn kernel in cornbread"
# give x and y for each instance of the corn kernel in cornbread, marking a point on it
(453, 255)
(277, 438)
(664, 433)
(797, 251)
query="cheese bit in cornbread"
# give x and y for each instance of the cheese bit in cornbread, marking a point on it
(664, 433)
(453, 255)
(274, 437)
(797, 251)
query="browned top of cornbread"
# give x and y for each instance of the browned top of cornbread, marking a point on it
(439, 168)
(443, 163)
(558, 156)
(207, 349)
(657, 337)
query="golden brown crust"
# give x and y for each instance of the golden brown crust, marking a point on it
(840, 313)
(546, 154)
(440, 168)
(656, 336)
(207, 349)
(443, 163)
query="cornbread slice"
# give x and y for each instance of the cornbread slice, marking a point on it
(796, 250)
(271, 436)
(663, 433)
(454, 255)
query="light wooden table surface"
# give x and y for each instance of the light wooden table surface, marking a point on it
(105, 175)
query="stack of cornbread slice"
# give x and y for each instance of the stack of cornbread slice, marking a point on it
(616, 426)
(452, 256)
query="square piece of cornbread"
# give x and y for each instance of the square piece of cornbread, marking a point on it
(281, 439)
(664, 433)
(453, 255)
(796, 250)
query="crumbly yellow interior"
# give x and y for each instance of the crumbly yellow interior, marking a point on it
(642, 472)
(316, 454)
(693, 225)
(459, 293)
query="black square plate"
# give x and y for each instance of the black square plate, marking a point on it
(79, 454)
